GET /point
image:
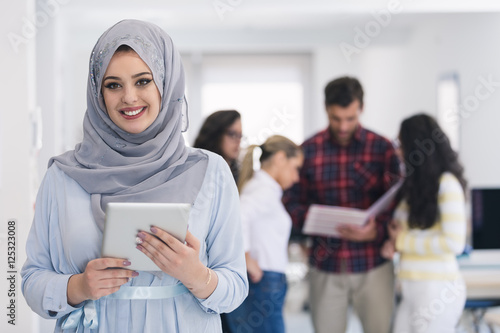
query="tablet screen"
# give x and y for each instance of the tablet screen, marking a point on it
(124, 220)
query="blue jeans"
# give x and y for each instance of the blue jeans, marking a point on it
(262, 310)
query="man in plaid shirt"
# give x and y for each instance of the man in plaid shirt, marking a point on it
(347, 165)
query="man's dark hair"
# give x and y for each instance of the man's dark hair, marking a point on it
(343, 91)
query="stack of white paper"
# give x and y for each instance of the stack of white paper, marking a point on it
(324, 220)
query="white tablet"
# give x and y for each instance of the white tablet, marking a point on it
(124, 220)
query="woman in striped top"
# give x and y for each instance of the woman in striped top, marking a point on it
(428, 230)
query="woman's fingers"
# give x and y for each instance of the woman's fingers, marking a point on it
(113, 283)
(162, 238)
(256, 275)
(192, 241)
(152, 253)
(101, 277)
(118, 274)
(164, 244)
(104, 263)
(109, 268)
(171, 255)
(156, 249)
(106, 287)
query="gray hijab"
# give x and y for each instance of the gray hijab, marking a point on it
(153, 166)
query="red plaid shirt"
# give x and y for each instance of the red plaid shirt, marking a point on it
(352, 176)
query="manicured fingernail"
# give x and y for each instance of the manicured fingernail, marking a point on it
(138, 240)
(126, 263)
(134, 274)
(154, 230)
(141, 235)
(139, 247)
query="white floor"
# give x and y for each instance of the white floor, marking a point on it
(301, 323)
(298, 320)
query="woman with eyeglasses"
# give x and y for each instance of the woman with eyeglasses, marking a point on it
(221, 134)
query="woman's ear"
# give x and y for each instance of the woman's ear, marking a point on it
(279, 158)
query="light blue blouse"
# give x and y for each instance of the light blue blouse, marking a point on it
(64, 238)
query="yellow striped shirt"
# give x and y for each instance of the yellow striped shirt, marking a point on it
(430, 254)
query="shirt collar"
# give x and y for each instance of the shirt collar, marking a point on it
(359, 134)
(270, 182)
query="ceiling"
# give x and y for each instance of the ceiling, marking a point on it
(246, 23)
(257, 14)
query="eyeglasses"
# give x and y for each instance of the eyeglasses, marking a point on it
(233, 135)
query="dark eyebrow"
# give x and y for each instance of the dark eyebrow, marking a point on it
(141, 74)
(133, 76)
(110, 78)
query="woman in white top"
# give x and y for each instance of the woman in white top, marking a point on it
(266, 230)
(428, 230)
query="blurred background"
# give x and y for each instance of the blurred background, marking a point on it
(270, 60)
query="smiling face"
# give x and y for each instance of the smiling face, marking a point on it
(131, 97)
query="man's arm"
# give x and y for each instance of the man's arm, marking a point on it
(296, 203)
(392, 174)
(377, 230)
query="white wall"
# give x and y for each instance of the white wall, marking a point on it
(49, 90)
(399, 79)
(399, 71)
(473, 50)
(16, 159)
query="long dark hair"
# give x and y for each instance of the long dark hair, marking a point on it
(213, 129)
(427, 155)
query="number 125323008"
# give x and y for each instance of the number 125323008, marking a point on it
(11, 244)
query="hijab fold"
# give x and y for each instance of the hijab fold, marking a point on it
(113, 165)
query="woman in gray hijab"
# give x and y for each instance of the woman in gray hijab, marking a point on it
(133, 151)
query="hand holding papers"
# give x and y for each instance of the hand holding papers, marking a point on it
(324, 220)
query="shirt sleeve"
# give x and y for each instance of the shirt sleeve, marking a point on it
(249, 213)
(392, 174)
(44, 288)
(297, 199)
(450, 239)
(225, 246)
